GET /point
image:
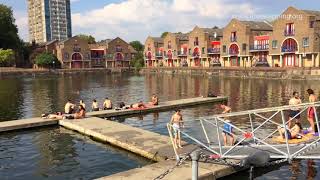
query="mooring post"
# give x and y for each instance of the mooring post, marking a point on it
(195, 156)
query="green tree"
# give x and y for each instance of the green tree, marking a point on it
(9, 38)
(163, 35)
(6, 57)
(89, 38)
(47, 60)
(137, 45)
(138, 61)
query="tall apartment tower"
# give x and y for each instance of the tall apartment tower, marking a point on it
(49, 20)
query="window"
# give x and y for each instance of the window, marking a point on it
(169, 44)
(224, 48)
(189, 51)
(203, 50)
(244, 47)
(305, 42)
(274, 44)
(233, 37)
(311, 24)
(196, 42)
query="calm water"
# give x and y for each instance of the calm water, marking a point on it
(31, 96)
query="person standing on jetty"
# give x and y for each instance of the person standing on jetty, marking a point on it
(227, 132)
(225, 108)
(310, 111)
(69, 107)
(95, 105)
(294, 111)
(177, 123)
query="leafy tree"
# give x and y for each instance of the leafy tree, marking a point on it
(47, 60)
(9, 38)
(138, 61)
(6, 57)
(137, 45)
(89, 38)
(163, 35)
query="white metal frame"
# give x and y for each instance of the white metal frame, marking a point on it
(216, 120)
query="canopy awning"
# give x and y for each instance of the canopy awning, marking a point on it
(265, 37)
(215, 42)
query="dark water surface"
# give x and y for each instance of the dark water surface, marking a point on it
(23, 97)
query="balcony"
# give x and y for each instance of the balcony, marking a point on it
(182, 53)
(289, 32)
(233, 39)
(289, 49)
(213, 50)
(259, 47)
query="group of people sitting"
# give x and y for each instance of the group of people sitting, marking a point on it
(70, 111)
(293, 128)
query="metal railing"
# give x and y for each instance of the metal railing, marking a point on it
(251, 135)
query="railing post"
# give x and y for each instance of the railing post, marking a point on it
(195, 156)
(218, 134)
(252, 129)
(286, 134)
(205, 132)
(317, 120)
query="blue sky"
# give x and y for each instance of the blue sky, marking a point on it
(136, 19)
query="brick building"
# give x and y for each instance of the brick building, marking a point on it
(154, 52)
(175, 46)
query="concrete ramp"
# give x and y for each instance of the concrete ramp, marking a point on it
(145, 143)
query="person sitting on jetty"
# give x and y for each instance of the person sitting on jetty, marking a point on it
(138, 105)
(78, 115)
(82, 103)
(293, 133)
(294, 111)
(177, 123)
(154, 100)
(69, 107)
(95, 105)
(107, 104)
(227, 133)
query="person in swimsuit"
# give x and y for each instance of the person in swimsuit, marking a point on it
(294, 112)
(95, 105)
(138, 105)
(310, 111)
(177, 122)
(107, 104)
(227, 133)
(292, 133)
(82, 103)
(69, 107)
(225, 108)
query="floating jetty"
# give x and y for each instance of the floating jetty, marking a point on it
(164, 106)
(26, 123)
(148, 144)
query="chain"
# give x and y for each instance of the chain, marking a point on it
(161, 176)
(223, 161)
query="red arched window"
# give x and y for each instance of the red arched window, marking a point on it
(149, 55)
(234, 49)
(76, 57)
(119, 57)
(289, 45)
(196, 52)
(169, 54)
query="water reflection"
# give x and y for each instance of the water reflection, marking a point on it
(57, 153)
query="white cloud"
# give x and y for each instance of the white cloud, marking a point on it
(22, 24)
(136, 19)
